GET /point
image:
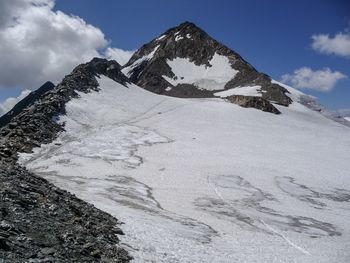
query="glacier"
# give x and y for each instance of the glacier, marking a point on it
(204, 180)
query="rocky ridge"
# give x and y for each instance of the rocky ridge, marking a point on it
(37, 124)
(26, 102)
(38, 221)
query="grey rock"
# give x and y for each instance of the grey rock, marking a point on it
(28, 231)
(253, 102)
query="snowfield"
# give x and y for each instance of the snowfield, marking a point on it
(246, 91)
(204, 77)
(204, 180)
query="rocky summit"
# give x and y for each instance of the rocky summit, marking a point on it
(189, 47)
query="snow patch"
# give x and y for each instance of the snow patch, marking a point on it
(149, 56)
(204, 77)
(246, 91)
(161, 37)
(177, 38)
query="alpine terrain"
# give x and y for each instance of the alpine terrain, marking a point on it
(202, 157)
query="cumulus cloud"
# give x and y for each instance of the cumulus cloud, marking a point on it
(120, 55)
(337, 45)
(306, 78)
(39, 44)
(8, 104)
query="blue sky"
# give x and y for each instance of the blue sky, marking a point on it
(274, 36)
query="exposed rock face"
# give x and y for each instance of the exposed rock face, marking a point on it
(26, 102)
(39, 222)
(189, 41)
(253, 102)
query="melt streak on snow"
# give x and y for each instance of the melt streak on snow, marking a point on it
(203, 180)
(203, 76)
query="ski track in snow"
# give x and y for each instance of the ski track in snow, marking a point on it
(202, 180)
(285, 238)
(217, 192)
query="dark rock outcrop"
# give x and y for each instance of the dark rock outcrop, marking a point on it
(253, 102)
(200, 49)
(188, 91)
(26, 102)
(41, 223)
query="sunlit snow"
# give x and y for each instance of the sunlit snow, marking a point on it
(177, 38)
(203, 76)
(246, 91)
(161, 37)
(204, 180)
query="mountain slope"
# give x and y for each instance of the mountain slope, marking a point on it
(39, 222)
(202, 180)
(186, 62)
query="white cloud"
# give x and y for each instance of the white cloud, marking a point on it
(38, 44)
(8, 104)
(337, 45)
(120, 55)
(321, 80)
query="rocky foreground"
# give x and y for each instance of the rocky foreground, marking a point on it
(42, 223)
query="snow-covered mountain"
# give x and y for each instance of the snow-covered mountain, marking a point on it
(194, 176)
(186, 62)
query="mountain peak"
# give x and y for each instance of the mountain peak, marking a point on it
(186, 62)
(187, 26)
